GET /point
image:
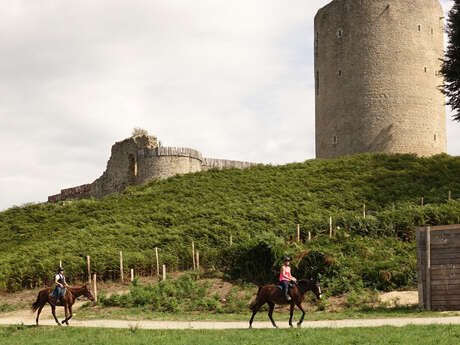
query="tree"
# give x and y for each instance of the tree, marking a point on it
(139, 132)
(451, 63)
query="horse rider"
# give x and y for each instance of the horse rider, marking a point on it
(286, 278)
(61, 285)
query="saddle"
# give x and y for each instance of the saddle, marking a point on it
(290, 286)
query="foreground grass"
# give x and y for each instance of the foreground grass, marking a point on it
(282, 315)
(376, 336)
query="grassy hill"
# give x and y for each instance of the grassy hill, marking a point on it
(260, 208)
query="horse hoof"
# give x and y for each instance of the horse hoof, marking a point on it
(299, 325)
(291, 326)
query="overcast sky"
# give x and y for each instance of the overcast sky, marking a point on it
(232, 79)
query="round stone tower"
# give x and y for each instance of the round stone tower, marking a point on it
(376, 74)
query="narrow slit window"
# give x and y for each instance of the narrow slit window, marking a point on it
(339, 33)
(435, 137)
(426, 69)
(339, 73)
(317, 82)
(419, 27)
(432, 31)
(335, 140)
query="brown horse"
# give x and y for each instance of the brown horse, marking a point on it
(72, 293)
(272, 295)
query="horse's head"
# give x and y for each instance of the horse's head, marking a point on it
(313, 286)
(87, 292)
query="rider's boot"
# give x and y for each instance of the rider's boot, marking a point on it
(286, 295)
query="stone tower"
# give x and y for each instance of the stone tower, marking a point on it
(376, 76)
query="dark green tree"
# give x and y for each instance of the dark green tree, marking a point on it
(451, 63)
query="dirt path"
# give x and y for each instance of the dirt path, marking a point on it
(398, 322)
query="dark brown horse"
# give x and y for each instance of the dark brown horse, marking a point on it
(272, 295)
(72, 293)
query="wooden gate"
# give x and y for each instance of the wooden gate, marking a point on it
(438, 267)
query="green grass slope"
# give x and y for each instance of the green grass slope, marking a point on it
(207, 207)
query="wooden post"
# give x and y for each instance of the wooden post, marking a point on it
(88, 261)
(60, 263)
(309, 236)
(393, 205)
(193, 255)
(231, 240)
(428, 268)
(298, 232)
(132, 274)
(198, 260)
(450, 195)
(158, 263)
(121, 266)
(164, 272)
(330, 226)
(421, 202)
(364, 210)
(95, 287)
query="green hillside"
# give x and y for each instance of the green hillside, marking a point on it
(260, 208)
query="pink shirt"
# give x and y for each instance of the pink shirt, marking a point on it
(287, 273)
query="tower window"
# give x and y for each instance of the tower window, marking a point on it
(435, 137)
(339, 73)
(419, 27)
(339, 33)
(317, 82)
(425, 69)
(335, 140)
(432, 31)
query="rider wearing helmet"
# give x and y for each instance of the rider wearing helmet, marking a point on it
(61, 285)
(285, 278)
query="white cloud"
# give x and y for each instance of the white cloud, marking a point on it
(232, 79)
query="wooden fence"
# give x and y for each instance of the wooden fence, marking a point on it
(438, 267)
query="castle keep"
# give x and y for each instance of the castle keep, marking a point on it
(139, 159)
(376, 76)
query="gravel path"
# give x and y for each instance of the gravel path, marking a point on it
(398, 322)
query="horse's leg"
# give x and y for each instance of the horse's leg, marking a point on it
(38, 313)
(255, 309)
(53, 310)
(299, 304)
(270, 313)
(66, 309)
(291, 313)
(70, 314)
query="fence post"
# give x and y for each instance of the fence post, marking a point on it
(95, 287)
(88, 260)
(121, 266)
(421, 202)
(428, 268)
(198, 260)
(309, 236)
(132, 274)
(193, 255)
(158, 263)
(393, 205)
(231, 240)
(364, 210)
(60, 263)
(164, 272)
(298, 232)
(330, 226)
(450, 195)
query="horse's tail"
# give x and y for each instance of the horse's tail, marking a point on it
(36, 304)
(253, 303)
(39, 301)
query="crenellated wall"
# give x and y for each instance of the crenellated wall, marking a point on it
(139, 159)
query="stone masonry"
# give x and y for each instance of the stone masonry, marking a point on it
(377, 76)
(139, 159)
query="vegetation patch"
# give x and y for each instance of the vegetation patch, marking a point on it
(260, 208)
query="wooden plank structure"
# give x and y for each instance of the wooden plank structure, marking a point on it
(438, 267)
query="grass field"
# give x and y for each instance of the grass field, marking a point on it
(408, 335)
